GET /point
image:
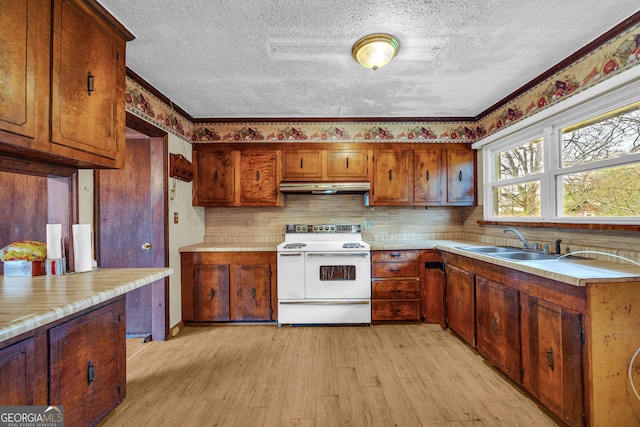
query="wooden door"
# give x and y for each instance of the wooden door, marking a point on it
(88, 81)
(460, 302)
(258, 178)
(252, 285)
(24, 38)
(131, 228)
(461, 177)
(391, 178)
(302, 164)
(86, 364)
(215, 178)
(552, 357)
(17, 382)
(498, 326)
(347, 164)
(212, 292)
(428, 171)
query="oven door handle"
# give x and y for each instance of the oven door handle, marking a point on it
(339, 254)
(289, 254)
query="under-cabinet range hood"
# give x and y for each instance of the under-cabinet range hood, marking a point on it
(325, 187)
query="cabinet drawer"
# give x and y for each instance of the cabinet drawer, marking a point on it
(394, 256)
(395, 289)
(395, 309)
(395, 269)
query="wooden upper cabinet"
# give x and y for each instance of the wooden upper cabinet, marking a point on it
(87, 111)
(347, 164)
(428, 172)
(215, 178)
(259, 178)
(461, 177)
(25, 66)
(391, 175)
(302, 164)
(227, 177)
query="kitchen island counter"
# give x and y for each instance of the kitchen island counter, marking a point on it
(30, 302)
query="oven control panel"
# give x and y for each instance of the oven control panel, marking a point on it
(323, 228)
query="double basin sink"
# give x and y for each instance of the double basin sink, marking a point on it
(510, 253)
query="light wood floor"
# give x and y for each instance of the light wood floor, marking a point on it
(262, 375)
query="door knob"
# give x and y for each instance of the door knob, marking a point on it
(146, 246)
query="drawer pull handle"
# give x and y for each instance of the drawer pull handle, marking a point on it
(347, 163)
(394, 270)
(395, 310)
(396, 290)
(300, 162)
(395, 255)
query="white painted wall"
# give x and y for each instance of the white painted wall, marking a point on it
(189, 230)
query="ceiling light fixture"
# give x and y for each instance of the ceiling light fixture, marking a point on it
(375, 50)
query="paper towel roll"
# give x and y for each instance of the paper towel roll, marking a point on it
(82, 251)
(54, 241)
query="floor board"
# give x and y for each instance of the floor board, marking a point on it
(263, 375)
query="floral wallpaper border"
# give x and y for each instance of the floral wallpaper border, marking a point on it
(613, 57)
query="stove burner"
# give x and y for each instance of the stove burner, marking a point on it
(354, 245)
(294, 246)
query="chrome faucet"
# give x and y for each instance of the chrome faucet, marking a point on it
(526, 244)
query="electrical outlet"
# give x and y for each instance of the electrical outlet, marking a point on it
(367, 225)
(175, 217)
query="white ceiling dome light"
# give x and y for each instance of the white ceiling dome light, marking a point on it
(375, 50)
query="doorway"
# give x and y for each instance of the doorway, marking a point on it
(131, 220)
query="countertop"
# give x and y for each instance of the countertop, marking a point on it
(577, 272)
(27, 303)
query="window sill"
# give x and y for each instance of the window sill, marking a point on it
(564, 225)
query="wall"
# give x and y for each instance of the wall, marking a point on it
(267, 224)
(188, 230)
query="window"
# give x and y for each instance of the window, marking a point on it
(582, 165)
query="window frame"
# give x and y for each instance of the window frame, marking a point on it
(550, 130)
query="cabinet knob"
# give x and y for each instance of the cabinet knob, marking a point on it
(146, 246)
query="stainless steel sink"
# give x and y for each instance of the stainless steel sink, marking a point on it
(526, 256)
(510, 253)
(490, 249)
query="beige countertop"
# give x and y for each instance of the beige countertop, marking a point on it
(578, 272)
(27, 303)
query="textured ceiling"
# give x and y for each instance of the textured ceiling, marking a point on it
(292, 58)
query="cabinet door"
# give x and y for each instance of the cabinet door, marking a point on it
(460, 302)
(302, 164)
(351, 164)
(427, 188)
(552, 357)
(212, 292)
(253, 291)
(258, 178)
(498, 326)
(391, 178)
(24, 70)
(86, 364)
(87, 109)
(18, 375)
(461, 177)
(215, 180)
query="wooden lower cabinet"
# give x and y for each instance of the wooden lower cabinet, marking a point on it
(460, 302)
(18, 373)
(78, 362)
(552, 357)
(432, 299)
(228, 286)
(395, 285)
(498, 326)
(87, 364)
